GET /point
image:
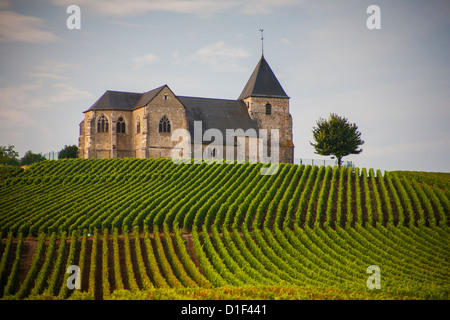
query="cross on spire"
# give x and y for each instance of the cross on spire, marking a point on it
(262, 41)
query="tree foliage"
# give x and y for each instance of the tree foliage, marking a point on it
(68, 152)
(30, 158)
(8, 156)
(336, 137)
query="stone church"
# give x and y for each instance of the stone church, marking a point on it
(127, 124)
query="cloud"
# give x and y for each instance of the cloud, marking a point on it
(66, 93)
(125, 24)
(13, 108)
(199, 7)
(52, 70)
(23, 100)
(133, 7)
(54, 76)
(4, 4)
(12, 97)
(13, 121)
(221, 56)
(255, 7)
(30, 112)
(15, 27)
(145, 60)
(51, 66)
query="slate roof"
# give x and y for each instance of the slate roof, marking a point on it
(116, 100)
(218, 114)
(263, 83)
(121, 100)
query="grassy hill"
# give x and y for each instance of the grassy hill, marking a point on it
(149, 228)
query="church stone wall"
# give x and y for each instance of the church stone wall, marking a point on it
(279, 118)
(139, 138)
(81, 141)
(122, 143)
(101, 140)
(164, 104)
(148, 143)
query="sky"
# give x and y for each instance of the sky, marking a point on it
(393, 82)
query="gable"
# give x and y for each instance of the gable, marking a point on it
(147, 97)
(126, 101)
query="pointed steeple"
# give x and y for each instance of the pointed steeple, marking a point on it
(263, 83)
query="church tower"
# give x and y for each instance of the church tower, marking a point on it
(268, 104)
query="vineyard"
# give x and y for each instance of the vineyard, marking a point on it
(152, 229)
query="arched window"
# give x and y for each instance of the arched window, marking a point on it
(164, 124)
(102, 124)
(120, 125)
(268, 108)
(138, 125)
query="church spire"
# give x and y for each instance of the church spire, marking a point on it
(263, 83)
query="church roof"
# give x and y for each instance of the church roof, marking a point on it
(263, 83)
(116, 100)
(218, 114)
(121, 100)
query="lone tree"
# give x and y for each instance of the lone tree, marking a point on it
(336, 137)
